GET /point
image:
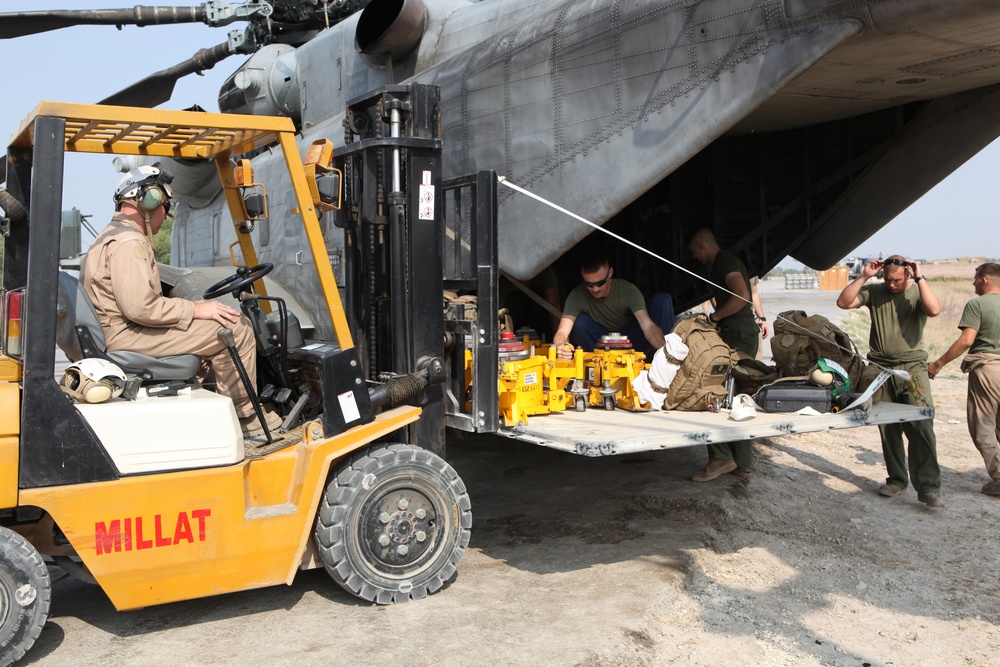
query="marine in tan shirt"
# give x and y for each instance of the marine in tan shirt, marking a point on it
(121, 278)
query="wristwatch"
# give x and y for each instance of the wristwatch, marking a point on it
(918, 279)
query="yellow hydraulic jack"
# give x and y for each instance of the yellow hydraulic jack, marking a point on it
(610, 372)
(521, 382)
(564, 376)
(536, 384)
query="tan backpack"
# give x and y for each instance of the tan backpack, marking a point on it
(800, 339)
(701, 379)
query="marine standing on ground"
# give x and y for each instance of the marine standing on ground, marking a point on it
(602, 305)
(980, 325)
(899, 310)
(122, 279)
(734, 315)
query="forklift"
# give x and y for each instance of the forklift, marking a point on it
(155, 495)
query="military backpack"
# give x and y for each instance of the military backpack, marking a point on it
(701, 379)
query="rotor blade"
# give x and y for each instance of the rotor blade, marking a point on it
(157, 88)
(19, 24)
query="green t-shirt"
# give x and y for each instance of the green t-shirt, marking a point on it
(726, 263)
(611, 313)
(897, 323)
(983, 315)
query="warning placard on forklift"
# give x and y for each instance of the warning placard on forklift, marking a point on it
(349, 407)
(426, 197)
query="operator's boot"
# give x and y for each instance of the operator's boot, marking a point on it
(251, 425)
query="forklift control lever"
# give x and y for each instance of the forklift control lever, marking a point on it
(226, 336)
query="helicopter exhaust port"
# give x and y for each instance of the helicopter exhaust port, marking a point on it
(390, 29)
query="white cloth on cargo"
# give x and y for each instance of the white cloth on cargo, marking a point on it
(743, 408)
(661, 371)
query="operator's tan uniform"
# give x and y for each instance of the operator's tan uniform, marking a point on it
(123, 282)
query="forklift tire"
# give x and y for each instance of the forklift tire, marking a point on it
(393, 524)
(25, 594)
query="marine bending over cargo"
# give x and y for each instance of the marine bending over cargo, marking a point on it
(602, 304)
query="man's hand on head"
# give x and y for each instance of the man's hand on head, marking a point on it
(872, 268)
(216, 311)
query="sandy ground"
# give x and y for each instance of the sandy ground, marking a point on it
(624, 561)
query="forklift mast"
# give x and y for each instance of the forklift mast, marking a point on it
(392, 204)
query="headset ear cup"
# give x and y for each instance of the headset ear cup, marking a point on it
(70, 385)
(151, 198)
(98, 392)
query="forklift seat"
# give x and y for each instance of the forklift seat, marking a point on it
(79, 335)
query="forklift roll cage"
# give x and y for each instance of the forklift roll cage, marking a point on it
(36, 156)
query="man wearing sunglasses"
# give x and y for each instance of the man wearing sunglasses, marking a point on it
(602, 304)
(122, 279)
(899, 308)
(734, 316)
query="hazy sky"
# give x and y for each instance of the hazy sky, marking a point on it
(88, 63)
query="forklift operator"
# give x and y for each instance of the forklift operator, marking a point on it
(121, 278)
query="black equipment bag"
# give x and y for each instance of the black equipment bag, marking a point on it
(793, 396)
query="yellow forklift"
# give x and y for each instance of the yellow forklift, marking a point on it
(159, 498)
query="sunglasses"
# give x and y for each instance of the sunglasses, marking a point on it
(598, 283)
(892, 261)
(166, 208)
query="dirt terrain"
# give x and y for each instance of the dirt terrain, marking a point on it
(624, 561)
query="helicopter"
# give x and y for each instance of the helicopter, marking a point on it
(792, 127)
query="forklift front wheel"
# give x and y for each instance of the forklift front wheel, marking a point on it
(25, 594)
(393, 524)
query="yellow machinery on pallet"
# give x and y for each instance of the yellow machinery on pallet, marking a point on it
(521, 382)
(534, 384)
(609, 373)
(533, 381)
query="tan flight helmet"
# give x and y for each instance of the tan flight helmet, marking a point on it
(93, 381)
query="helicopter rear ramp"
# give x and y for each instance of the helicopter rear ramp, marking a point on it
(607, 433)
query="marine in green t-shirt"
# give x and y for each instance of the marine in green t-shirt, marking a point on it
(899, 310)
(734, 314)
(603, 304)
(983, 315)
(898, 322)
(613, 311)
(980, 325)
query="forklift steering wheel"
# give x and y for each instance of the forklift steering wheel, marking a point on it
(242, 278)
